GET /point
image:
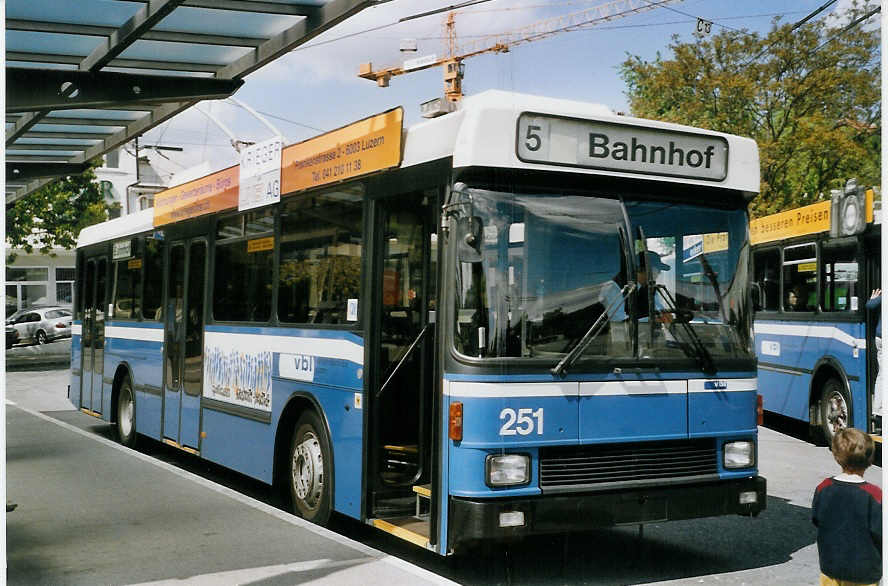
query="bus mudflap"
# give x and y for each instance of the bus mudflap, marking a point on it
(474, 519)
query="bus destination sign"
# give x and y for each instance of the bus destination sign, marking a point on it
(366, 146)
(625, 148)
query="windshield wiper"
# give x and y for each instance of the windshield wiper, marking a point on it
(560, 369)
(703, 355)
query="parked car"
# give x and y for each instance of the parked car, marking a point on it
(12, 336)
(40, 325)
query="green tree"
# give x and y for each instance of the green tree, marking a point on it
(53, 215)
(810, 97)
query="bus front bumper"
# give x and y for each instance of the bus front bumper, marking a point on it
(481, 519)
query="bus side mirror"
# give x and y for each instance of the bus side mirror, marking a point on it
(468, 243)
(757, 297)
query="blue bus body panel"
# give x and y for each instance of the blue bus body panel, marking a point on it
(790, 351)
(521, 415)
(238, 436)
(325, 366)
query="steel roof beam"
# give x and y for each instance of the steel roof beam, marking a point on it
(129, 63)
(28, 146)
(28, 90)
(71, 135)
(30, 186)
(249, 6)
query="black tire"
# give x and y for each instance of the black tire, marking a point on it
(40, 337)
(835, 409)
(126, 415)
(310, 470)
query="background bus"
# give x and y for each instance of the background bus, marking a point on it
(451, 333)
(814, 269)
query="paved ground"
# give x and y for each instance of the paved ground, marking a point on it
(92, 512)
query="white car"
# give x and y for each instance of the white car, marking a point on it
(40, 325)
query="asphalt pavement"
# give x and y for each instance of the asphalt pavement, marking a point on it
(56, 354)
(93, 512)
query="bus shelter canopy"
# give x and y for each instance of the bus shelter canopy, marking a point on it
(84, 77)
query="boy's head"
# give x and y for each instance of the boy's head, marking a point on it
(853, 450)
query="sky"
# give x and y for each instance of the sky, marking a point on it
(315, 88)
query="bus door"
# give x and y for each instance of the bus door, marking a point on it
(183, 317)
(95, 302)
(403, 340)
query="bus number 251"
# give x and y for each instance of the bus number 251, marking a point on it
(521, 422)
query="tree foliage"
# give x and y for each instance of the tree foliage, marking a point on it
(810, 97)
(53, 216)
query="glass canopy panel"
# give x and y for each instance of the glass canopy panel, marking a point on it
(161, 51)
(226, 22)
(51, 43)
(90, 12)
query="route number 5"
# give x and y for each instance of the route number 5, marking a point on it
(533, 140)
(522, 422)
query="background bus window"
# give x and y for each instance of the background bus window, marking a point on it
(800, 277)
(127, 275)
(767, 277)
(320, 263)
(243, 269)
(152, 294)
(838, 279)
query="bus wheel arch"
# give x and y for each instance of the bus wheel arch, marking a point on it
(302, 415)
(123, 406)
(830, 400)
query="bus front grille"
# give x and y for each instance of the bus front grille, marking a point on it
(570, 468)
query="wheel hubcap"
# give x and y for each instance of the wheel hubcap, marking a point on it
(837, 412)
(125, 416)
(308, 471)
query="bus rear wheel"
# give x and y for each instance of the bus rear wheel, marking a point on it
(835, 409)
(311, 470)
(126, 415)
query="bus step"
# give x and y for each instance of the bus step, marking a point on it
(407, 528)
(423, 494)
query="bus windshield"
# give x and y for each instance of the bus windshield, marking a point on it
(536, 271)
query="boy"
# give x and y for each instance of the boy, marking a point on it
(847, 511)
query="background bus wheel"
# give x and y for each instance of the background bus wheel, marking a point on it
(311, 472)
(835, 409)
(126, 415)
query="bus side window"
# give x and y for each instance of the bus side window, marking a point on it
(838, 279)
(153, 286)
(800, 277)
(767, 277)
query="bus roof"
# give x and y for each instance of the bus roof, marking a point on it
(501, 129)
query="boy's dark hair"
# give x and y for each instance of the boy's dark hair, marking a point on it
(853, 449)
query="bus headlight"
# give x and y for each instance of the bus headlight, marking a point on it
(508, 470)
(739, 454)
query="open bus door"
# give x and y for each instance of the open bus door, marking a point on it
(402, 336)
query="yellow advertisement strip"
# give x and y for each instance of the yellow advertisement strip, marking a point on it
(213, 193)
(869, 197)
(805, 220)
(260, 244)
(136, 263)
(715, 242)
(366, 146)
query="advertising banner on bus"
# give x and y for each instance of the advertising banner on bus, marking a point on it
(369, 145)
(213, 193)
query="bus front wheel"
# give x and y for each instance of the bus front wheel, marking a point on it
(835, 409)
(311, 470)
(126, 415)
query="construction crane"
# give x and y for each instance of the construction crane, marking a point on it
(454, 69)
